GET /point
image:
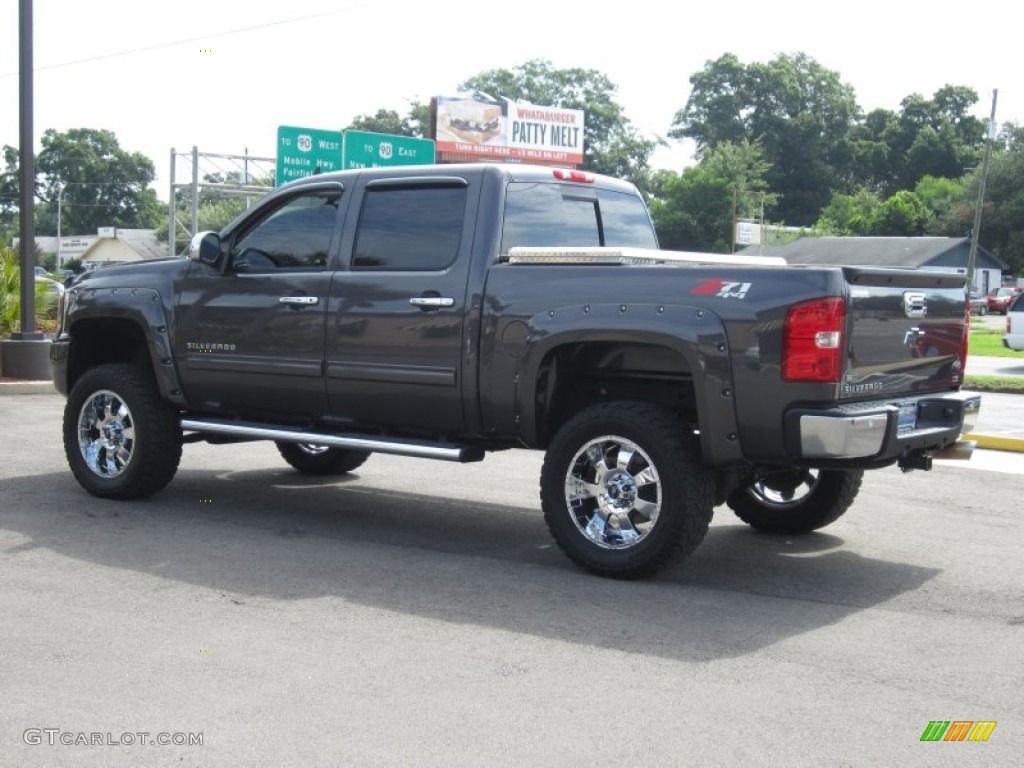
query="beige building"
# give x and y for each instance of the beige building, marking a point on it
(115, 246)
(109, 245)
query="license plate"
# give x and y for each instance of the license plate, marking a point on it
(907, 421)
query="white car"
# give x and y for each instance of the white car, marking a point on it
(1014, 338)
(49, 285)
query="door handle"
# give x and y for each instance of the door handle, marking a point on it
(302, 301)
(432, 302)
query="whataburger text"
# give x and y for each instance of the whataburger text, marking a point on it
(532, 127)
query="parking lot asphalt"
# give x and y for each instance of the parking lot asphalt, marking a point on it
(417, 613)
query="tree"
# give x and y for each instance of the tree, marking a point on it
(926, 137)
(902, 215)
(611, 144)
(1002, 224)
(800, 112)
(696, 210)
(390, 122)
(951, 217)
(10, 194)
(850, 215)
(743, 165)
(103, 184)
(692, 211)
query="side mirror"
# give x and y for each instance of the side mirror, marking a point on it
(206, 247)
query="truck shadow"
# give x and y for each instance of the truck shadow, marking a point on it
(271, 534)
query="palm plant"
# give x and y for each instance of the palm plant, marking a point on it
(10, 297)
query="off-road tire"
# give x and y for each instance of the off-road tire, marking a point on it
(654, 460)
(321, 460)
(827, 494)
(122, 441)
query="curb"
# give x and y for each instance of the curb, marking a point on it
(996, 442)
(27, 388)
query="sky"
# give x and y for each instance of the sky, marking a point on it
(222, 75)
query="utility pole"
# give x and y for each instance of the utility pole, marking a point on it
(26, 355)
(972, 255)
(28, 179)
(60, 195)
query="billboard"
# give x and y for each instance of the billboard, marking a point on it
(516, 131)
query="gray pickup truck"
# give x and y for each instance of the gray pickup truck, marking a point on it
(446, 311)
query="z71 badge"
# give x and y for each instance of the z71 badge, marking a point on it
(723, 289)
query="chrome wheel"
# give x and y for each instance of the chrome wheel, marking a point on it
(613, 492)
(624, 491)
(785, 490)
(106, 434)
(313, 449)
(799, 500)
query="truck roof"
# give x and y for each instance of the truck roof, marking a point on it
(511, 171)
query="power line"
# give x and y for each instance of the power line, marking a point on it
(185, 41)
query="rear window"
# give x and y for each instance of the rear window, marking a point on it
(568, 215)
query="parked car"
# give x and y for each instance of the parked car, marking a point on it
(49, 285)
(979, 304)
(1014, 338)
(1000, 300)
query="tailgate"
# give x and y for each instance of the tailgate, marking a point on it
(906, 331)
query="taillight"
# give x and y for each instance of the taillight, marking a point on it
(812, 341)
(967, 337)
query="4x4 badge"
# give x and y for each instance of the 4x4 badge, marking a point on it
(723, 289)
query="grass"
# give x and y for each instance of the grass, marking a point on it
(987, 341)
(1012, 385)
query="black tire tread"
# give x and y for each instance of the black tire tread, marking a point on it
(334, 461)
(831, 498)
(658, 431)
(157, 452)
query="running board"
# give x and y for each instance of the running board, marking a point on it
(421, 449)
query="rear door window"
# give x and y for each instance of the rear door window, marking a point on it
(416, 228)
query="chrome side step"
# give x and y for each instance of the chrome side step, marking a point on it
(416, 448)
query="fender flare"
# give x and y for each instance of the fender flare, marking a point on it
(695, 334)
(144, 308)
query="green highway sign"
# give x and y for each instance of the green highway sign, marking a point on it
(377, 150)
(300, 151)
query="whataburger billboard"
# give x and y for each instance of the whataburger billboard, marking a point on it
(465, 129)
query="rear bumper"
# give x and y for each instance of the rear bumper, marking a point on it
(882, 431)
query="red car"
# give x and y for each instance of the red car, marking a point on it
(1000, 300)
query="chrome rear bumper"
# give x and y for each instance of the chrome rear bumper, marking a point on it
(881, 430)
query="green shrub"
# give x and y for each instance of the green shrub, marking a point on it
(10, 298)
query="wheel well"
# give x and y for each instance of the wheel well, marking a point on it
(575, 376)
(105, 340)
